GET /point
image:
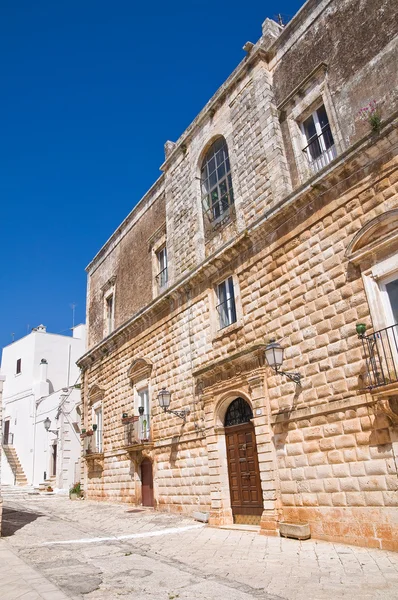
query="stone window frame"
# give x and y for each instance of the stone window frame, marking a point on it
(108, 291)
(95, 399)
(156, 243)
(225, 178)
(304, 100)
(235, 211)
(99, 440)
(139, 375)
(216, 332)
(375, 253)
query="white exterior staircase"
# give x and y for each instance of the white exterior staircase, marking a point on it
(16, 467)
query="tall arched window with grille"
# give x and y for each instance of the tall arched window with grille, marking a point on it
(217, 192)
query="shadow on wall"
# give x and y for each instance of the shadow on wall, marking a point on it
(16, 519)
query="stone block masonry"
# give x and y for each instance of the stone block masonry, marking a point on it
(307, 253)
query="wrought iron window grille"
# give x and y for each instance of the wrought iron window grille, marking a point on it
(238, 412)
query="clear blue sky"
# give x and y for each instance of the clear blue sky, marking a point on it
(91, 90)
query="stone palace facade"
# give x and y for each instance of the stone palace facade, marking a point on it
(275, 217)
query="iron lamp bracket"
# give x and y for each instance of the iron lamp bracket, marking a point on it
(181, 414)
(295, 377)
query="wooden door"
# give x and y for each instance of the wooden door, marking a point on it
(244, 475)
(147, 482)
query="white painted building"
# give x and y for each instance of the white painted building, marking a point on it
(40, 378)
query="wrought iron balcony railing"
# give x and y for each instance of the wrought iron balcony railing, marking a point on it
(137, 430)
(381, 355)
(93, 443)
(162, 278)
(321, 150)
(8, 439)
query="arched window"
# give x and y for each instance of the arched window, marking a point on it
(217, 193)
(238, 412)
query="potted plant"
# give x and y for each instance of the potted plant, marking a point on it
(361, 328)
(75, 491)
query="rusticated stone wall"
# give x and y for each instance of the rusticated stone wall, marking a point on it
(325, 454)
(328, 450)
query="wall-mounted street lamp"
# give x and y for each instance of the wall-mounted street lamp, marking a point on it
(164, 398)
(47, 425)
(274, 357)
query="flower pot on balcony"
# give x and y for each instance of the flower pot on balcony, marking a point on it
(361, 328)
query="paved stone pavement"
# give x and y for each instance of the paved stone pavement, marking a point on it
(99, 551)
(19, 580)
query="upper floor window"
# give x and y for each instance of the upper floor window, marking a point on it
(19, 366)
(144, 413)
(319, 146)
(162, 276)
(97, 420)
(217, 192)
(226, 303)
(110, 313)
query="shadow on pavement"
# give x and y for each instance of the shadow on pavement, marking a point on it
(16, 519)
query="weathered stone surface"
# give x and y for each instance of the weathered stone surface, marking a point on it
(298, 531)
(326, 454)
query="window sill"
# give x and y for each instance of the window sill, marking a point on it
(227, 330)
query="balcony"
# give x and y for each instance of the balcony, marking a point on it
(381, 356)
(92, 443)
(320, 150)
(137, 432)
(221, 211)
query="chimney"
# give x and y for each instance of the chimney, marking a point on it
(43, 369)
(41, 388)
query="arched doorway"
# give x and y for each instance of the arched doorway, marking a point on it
(243, 470)
(147, 482)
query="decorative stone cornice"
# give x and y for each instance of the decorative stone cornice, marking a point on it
(139, 369)
(95, 393)
(246, 360)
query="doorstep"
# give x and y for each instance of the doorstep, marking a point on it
(236, 527)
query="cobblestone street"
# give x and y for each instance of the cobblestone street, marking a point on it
(100, 551)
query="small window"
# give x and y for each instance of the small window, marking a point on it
(162, 276)
(110, 310)
(226, 303)
(217, 192)
(319, 148)
(19, 366)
